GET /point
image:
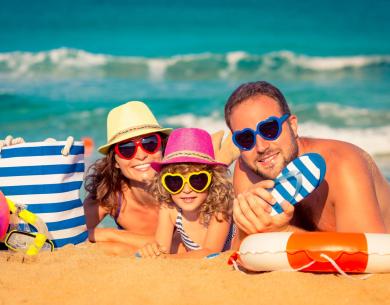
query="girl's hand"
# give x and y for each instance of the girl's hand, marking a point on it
(153, 250)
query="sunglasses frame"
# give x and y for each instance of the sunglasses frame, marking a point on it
(186, 180)
(280, 122)
(138, 143)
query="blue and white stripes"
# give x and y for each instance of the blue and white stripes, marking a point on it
(187, 241)
(298, 179)
(39, 176)
(191, 245)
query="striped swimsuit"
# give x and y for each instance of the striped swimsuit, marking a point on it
(190, 244)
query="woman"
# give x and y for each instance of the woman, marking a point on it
(118, 183)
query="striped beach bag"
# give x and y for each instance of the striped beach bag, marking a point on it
(45, 178)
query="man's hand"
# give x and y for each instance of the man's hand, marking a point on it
(251, 210)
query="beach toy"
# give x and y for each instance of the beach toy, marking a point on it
(315, 252)
(297, 180)
(29, 243)
(4, 216)
(89, 145)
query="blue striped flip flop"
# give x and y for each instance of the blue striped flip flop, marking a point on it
(298, 179)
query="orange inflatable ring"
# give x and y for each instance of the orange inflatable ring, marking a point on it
(315, 252)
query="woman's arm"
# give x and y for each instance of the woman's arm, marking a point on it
(164, 233)
(94, 213)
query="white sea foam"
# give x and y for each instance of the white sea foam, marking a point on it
(375, 141)
(76, 58)
(352, 116)
(337, 63)
(233, 58)
(25, 63)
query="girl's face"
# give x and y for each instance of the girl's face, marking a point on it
(138, 168)
(188, 200)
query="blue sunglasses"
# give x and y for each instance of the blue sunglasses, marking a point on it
(268, 129)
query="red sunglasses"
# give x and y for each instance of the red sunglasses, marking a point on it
(149, 144)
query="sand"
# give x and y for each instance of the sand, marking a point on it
(85, 275)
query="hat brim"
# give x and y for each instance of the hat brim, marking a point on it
(132, 134)
(157, 166)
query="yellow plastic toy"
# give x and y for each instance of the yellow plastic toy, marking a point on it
(29, 243)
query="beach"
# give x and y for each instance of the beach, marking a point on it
(65, 64)
(85, 275)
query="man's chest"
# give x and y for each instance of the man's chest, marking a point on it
(316, 212)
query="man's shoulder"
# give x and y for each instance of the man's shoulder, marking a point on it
(338, 155)
(330, 148)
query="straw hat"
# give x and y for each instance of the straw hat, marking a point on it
(130, 120)
(188, 145)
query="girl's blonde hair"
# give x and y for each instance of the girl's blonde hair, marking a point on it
(219, 201)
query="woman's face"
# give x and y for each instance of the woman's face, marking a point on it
(137, 167)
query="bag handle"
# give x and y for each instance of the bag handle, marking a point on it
(69, 142)
(68, 145)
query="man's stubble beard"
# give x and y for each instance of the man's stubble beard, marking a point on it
(291, 155)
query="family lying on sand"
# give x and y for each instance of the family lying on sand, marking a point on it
(180, 203)
(171, 195)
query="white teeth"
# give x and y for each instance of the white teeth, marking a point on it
(267, 159)
(142, 166)
(188, 199)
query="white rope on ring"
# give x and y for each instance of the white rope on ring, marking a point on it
(336, 266)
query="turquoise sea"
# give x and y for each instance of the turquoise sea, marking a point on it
(64, 64)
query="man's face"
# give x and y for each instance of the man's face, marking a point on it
(267, 158)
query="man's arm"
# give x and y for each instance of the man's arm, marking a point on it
(352, 190)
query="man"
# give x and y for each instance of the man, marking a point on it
(354, 196)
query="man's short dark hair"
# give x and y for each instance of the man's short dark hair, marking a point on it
(251, 89)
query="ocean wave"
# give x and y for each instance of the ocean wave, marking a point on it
(373, 140)
(65, 62)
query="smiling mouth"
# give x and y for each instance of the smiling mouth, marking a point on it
(188, 199)
(142, 167)
(268, 160)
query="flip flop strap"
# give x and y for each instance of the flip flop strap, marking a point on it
(297, 175)
(292, 174)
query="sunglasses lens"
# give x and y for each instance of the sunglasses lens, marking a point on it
(151, 143)
(245, 139)
(199, 181)
(127, 150)
(173, 183)
(269, 129)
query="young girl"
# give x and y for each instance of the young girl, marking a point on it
(195, 196)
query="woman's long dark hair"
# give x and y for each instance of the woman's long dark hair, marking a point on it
(104, 181)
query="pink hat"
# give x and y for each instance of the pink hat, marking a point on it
(188, 145)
